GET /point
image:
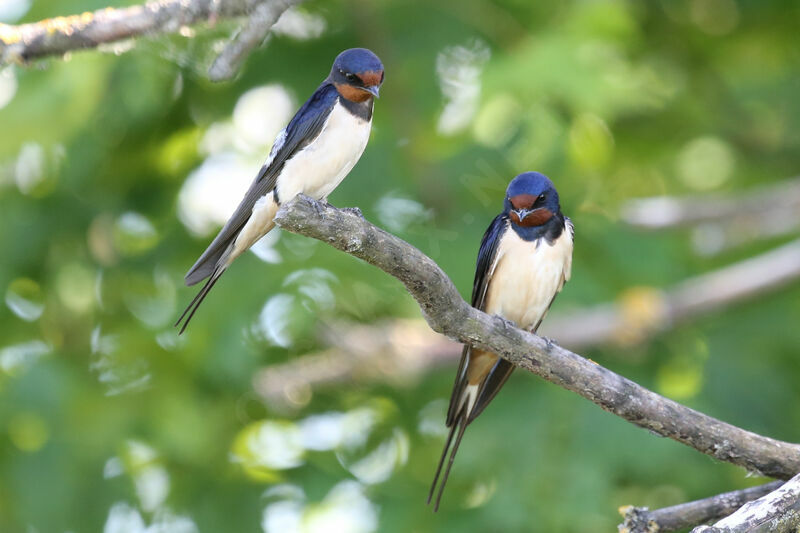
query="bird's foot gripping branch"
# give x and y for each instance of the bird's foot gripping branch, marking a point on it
(447, 313)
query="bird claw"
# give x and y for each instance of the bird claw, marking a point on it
(507, 324)
(353, 211)
(318, 205)
(550, 342)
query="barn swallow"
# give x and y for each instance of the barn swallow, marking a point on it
(524, 260)
(312, 155)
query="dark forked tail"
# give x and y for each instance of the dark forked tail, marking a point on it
(467, 401)
(191, 309)
(459, 424)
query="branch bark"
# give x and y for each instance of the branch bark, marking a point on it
(399, 350)
(57, 36)
(643, 520)
(777, 512)
(447, 313)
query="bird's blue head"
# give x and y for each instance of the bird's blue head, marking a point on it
(531, 200)
(357, 74)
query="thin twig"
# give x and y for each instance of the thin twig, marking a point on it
(685, 515)
(669, 212)
(395, 351)
(777, 512)
(59, 35)
(255, 30)
(447, 313)
(713, 238)
(642, 312)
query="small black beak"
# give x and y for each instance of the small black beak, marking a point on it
(522, 213)
(373, 90)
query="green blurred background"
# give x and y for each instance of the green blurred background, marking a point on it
(117, 166)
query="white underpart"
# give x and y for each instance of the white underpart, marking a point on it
(322, 165)
(469, 396)
(258, 225)
(526, 276)
(523, 280)
(315, 171)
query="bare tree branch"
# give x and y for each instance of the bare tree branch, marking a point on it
(447, 313)
(60, 35)
(637, 315)
(643, 312)
(754, 206)
(714, 238)
(395, 351)
(777, 512)
(252, 34)
(643, 520)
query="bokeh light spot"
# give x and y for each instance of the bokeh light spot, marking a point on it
(680, 378)
(260, 114)
(8, 85)
(12, 10)
(380, 463)
(274, 320)
(179, 151)
(211, 192)
(705, 163)
(17, 358)
(643, 310)
(151, 300)
(264, 248)
(459, 70)
(481, 493)
(715, 17)
(591, 144)
(345, 508)
(134, 234)
(150, 478)
(430, 420)
(498, 121)
(397, 214)
(30, 169)
(28, 431)
(25, 299)
(267, 446)
(315, 285)
(75, 286)
(100, 238)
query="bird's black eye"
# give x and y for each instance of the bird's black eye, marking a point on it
(352, 78)
(542, 197)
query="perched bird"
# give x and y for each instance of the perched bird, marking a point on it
(524, 260)
(312, 155)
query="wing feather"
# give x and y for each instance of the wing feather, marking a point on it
(458, 414)
(484, 268)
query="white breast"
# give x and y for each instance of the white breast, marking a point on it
(527, 276)
(322, 165)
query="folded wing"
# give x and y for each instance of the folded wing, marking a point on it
(306, 125)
